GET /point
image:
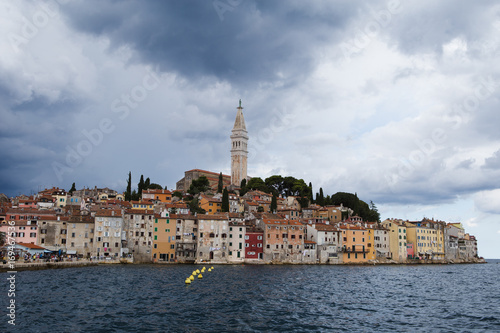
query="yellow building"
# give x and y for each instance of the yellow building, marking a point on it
(372, 252)
(427, 239)
(211, 205)
(397, 239)
(355, 248)
(163, 238)
(142, 205)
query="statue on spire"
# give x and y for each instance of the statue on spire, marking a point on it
(240, 102)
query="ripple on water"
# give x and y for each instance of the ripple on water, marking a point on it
(247, 298)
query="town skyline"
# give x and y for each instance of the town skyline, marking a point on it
(394, 101)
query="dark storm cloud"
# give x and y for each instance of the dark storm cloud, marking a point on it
(255, 41)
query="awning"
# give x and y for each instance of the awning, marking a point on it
(71, 252)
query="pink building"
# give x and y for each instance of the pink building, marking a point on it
(410, 251)
(21, 230)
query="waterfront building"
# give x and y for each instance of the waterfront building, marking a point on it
(213, 235)
(138, 225)
(380, 241)
(397, 239)
(354, 243)
(164, 234)
(25, 231)
(52, 232)
(328, 242)
(109, 233)
(451, 241)
(283, 240)
(186, 237)
(427, 239)
(80, 236)
(237, 243)
(254, 243)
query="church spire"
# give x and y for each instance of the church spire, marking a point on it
(239, 152)
(239, 123)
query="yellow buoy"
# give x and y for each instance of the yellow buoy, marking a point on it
(191, 278)
(188, 281)
(212, 267)
(197, 271)
(209, 269)
(200, 276)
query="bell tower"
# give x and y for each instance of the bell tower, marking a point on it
(239, 150)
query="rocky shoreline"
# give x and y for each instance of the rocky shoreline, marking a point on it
(86, 263)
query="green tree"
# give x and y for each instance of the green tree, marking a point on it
(128, 192)
(225, 201)
(199, 185)
(194, 207)
(155, 186)
(147, 183)
(257, 183)
(220, 184)
(140, 186)
(177, 194)
(73, 188)
(135, 196)
(275, 183)
(260, 209)
(274, 204)
(243, 187)
(320, 198)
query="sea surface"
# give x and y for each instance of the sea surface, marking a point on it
(255, 298)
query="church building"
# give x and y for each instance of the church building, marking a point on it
(239, 155)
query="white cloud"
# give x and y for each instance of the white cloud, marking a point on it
(488, 201)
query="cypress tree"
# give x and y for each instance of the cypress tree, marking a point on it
(219, 186)
(128, 192)
(225, 201)
(274, 204)
(140, 186)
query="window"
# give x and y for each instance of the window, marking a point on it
(259, 237)
(247, 245)
(73, 234)
(246, 237)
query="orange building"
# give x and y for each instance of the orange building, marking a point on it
(211, 205)
(356, 246)
(164, 196)
(283, 240)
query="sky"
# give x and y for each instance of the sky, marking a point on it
(396, 101)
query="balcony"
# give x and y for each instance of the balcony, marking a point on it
(355, 249)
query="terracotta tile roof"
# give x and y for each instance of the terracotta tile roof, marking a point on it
(139, 211)
(31, 246)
